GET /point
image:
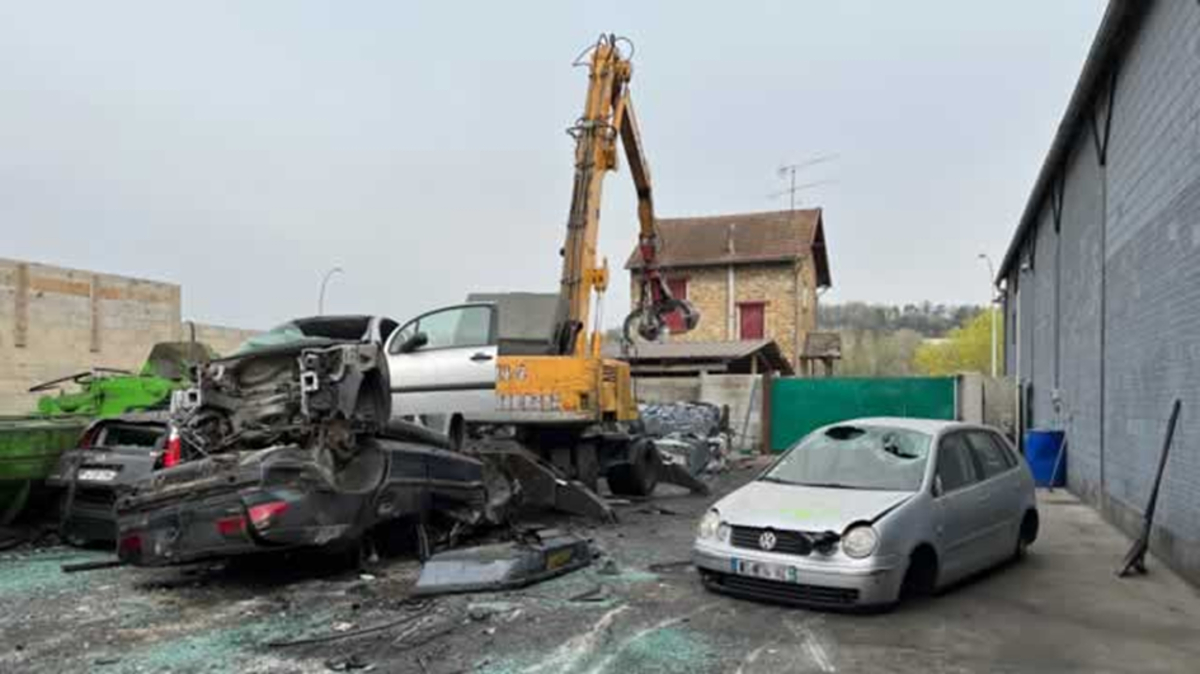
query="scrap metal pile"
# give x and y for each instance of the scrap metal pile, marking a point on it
(691, 435)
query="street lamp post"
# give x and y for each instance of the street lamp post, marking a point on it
(991, 308)
(324, 282)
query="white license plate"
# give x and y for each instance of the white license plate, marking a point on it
(766, 570)
(97, 475)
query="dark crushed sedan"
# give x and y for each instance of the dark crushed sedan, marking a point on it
(112, 456)
(290, 496)
(288, 444)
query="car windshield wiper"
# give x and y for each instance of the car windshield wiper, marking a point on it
(776, 480)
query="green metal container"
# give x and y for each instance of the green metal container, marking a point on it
(29, 448)
(802, 405)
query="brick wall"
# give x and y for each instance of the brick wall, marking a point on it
(56, 322)
(788, 289)
(224, 340)
(707, 290)
(1116, 292)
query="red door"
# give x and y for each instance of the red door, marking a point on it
(678, 288)
(751, 317)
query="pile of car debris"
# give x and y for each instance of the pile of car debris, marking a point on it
(694, 436)
(290, 443)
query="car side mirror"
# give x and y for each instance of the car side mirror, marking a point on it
(415, 342)
(937, 486)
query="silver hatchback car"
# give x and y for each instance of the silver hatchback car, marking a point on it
(863, 511)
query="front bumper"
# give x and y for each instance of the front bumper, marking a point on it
(817, 581)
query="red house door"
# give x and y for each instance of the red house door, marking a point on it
(751, 317)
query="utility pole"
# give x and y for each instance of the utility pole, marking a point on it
(991, 305)
(324, 282)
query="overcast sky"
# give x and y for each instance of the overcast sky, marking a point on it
(240, 149)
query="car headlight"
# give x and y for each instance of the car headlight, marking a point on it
(860, 541)
(709, 524)
(723, 532)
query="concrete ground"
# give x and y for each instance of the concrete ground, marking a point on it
(1061, 610)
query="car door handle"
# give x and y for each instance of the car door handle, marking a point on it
(481, 357)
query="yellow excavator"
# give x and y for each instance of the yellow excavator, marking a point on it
(571, 407)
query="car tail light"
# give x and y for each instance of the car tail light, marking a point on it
(263, 515)
(88, 438)
(231, 527)
(130, 547)
(174, 449)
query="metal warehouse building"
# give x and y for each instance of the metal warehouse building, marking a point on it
(1102, 279)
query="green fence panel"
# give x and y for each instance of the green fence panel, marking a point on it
(800, 405)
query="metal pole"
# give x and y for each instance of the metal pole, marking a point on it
(324, 282)
(993, 310)
(793, 190)
(990, 306)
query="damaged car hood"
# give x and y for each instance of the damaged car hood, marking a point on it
(801, 508)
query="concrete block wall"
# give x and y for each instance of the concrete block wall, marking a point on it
(1116, 291)
(1080, 293)
(666, 389)
(223, 339)
(741, 392)
(986, 400)
(56, 321)
(1152, 251)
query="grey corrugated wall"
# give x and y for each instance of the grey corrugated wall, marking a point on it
(1124, 309)
(1082, 227)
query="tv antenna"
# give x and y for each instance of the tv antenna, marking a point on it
(789, 171)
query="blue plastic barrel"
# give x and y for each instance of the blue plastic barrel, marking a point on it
(1041, 451)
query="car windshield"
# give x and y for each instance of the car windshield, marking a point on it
(287, 333)
(856, 457)
(317, 330)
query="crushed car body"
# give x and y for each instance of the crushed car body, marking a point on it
(318, 381)
(288, 443)
(291, 496)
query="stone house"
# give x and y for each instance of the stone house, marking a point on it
(752, 275)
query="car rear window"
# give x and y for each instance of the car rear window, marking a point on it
(856, 457)
(122, 435)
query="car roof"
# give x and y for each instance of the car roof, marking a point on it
(927, 426)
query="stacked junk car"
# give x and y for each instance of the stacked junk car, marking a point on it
(289, 443)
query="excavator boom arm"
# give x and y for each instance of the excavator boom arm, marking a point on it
(608, 114)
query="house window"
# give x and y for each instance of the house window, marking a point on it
(752, 320)
(679, 290)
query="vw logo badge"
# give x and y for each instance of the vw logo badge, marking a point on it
(767, 540)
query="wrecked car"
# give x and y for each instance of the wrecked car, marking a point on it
(292, 496)
(112, 456)
(323, 376)
(860, 512)
(288, 443)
